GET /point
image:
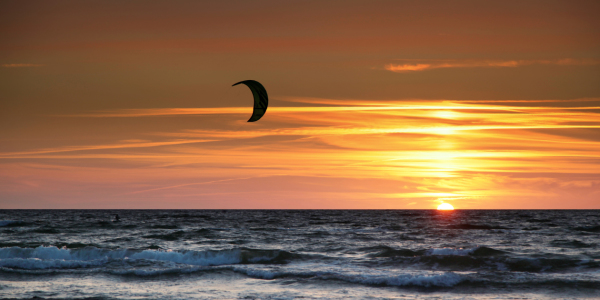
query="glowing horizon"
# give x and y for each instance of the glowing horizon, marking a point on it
(384, 113)
(450, 162)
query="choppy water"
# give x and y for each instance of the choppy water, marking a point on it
(200, 254)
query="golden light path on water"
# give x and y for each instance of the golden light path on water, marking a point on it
(334, 154)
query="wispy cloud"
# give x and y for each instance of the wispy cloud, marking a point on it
(532, 101)
(340, 131)
(126, 144)
(437, 103)
(349, 153)
(199, 183)
(404, 105)
(21, 65)
(422, 65)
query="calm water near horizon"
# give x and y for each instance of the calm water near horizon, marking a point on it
(308, 254)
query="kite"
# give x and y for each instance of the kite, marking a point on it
(261, 100)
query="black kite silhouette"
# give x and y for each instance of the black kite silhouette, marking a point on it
(261, 99)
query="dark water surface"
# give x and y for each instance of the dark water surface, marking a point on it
(310, 254)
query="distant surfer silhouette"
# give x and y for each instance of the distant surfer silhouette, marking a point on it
(117, 219)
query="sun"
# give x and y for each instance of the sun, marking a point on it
(445, 206)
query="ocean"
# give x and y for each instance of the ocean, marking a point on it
(299, 254)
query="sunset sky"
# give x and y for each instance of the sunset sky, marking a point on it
(373, 104)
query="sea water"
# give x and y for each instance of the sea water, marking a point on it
(308, 254)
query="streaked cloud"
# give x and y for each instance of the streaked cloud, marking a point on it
(282, 110)
(422, 65)
(125, 144)
(21, 65)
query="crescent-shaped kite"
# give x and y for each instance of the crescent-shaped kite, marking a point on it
(261, 100)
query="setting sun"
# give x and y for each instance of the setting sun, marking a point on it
(445, 206)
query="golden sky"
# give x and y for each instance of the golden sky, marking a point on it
(373, 104)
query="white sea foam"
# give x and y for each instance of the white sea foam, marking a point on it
(47, 256)
(450, 251)
(202, 258)
(425, 280)
(267, 274)
(52, 252)
(37, 264)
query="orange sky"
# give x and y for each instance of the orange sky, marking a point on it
(373, 104)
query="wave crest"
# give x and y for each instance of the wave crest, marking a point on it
(47, 257)
(448, 279)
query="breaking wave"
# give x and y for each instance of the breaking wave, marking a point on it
(479, 258)
(48, 257)
(447, 279)
(385, 251)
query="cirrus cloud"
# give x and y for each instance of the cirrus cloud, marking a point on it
(422, 65)
(21, 65)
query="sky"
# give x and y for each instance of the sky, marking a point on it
(372, 104)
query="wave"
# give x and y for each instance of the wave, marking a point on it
(450, 251)
(443, 280)
(364, 277)
(190, 216)
(571, 244)
(46, 230)
(159, 272)
(588, 228)
(468, 226)
(534, 220)
(181, 234)
(355, 274)
(173, 236)
(37, 264)
(385, 251)
(12, 223)
(165, 226)
(20, 244)
(478, 258)
(477, 251)
(205, 232)
(74, 245)
(47, 257)
(6, 222)
(421, 280)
